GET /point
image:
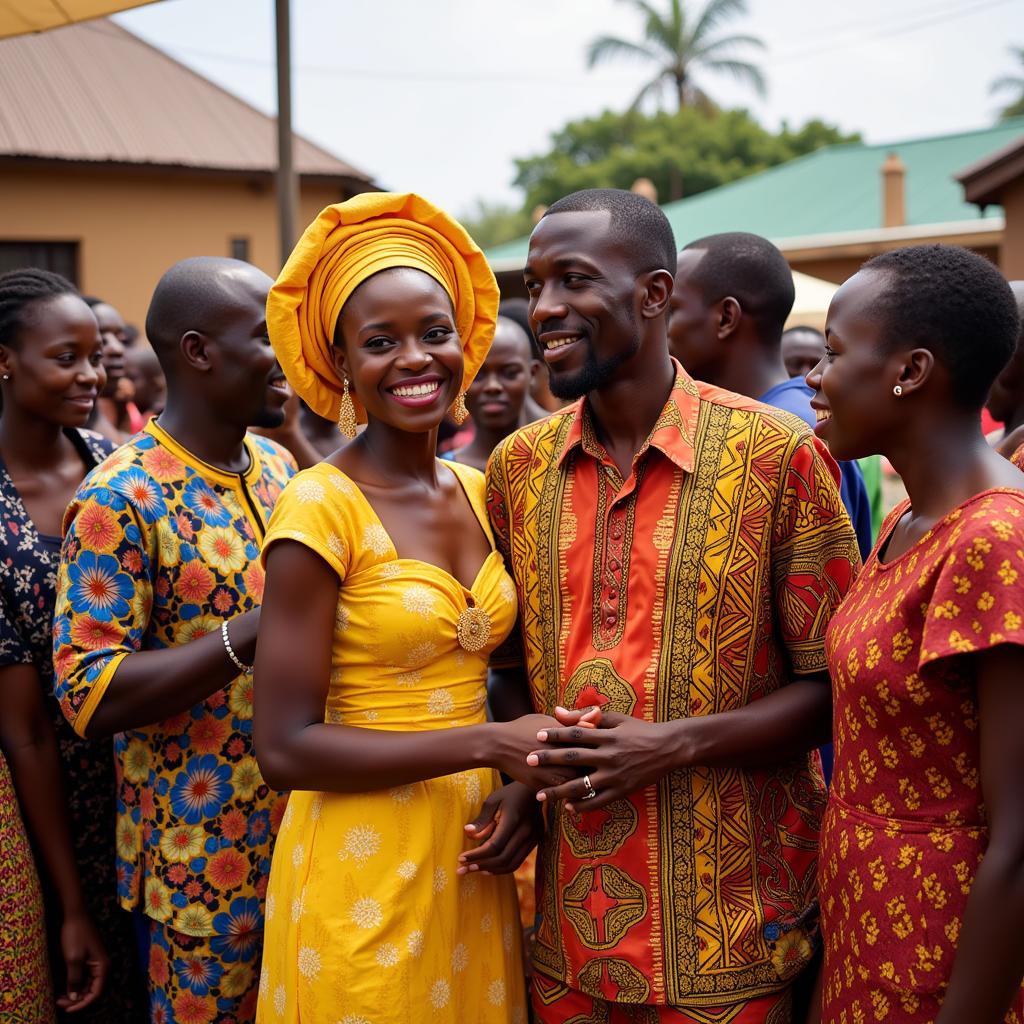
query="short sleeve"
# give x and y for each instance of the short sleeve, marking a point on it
(978, 598)
(814, 554)
(315, 510)
(104, 598)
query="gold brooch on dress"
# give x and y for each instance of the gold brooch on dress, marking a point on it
(474, 629)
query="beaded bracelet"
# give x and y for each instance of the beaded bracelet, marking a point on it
(239, 664)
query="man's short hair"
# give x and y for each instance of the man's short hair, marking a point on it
(636, 222)
(954, 303)
(751, 270)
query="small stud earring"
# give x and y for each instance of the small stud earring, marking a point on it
(6, 376)
(898, 390)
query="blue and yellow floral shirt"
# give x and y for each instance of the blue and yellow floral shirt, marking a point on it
(159, 549)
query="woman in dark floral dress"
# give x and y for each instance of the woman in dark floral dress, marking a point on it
(50, 374)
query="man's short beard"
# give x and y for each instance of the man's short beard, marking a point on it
(594, 373)
(268, 418)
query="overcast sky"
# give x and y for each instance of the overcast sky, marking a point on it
(439, 96)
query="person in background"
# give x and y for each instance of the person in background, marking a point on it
(159, 592)
(497, 398)
(733, 292)
(110, 417)
(801, 349)
(677, 551)
(1006, 398)
(541, 401)
(148, 383)
(921, 870)
(51, 372)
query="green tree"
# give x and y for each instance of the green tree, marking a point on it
(678, 42)
(683, 153)
(493, 223)
(1014, 82)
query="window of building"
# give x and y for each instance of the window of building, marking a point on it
(240, 249)
(60, 257)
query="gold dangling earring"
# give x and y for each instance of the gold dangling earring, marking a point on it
(459, 411)
(346, 412)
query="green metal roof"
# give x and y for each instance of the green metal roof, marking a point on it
(835, 189)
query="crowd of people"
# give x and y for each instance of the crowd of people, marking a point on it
(337, 604)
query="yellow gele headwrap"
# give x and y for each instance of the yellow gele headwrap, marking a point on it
(346, 244)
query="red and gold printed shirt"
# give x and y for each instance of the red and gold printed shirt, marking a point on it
(159, 549)
(701, 583)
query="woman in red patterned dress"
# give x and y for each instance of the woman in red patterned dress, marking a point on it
(922, 852)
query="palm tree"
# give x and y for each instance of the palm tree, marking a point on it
(679, 42)
(1012, 82)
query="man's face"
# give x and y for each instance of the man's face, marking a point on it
(245, 376)
(584, 297)
(113, 332)
(693, 323)
(802, 349)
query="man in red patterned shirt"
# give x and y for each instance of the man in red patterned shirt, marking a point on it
(678, 551)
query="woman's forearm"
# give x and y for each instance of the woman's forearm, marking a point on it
(347, 759)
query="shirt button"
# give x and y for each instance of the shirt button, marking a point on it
(610, 619)
(614, 565)
(613, 594)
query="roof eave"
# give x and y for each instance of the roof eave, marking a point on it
(983, 182)
(153, 167)
(883, 236)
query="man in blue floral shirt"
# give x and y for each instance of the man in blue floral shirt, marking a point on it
(158, 604)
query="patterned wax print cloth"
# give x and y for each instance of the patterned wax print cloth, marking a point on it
(201, 980)
(367, 919)
(28, 592)
(700, 583)
(905, 828)
(25, 990)
(555, 1003)
(159, 549)
(1018, 457)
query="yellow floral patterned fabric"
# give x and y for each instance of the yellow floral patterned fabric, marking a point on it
(905, 827)
(367, 919)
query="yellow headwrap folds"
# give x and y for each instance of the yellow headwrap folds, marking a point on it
(346, 244)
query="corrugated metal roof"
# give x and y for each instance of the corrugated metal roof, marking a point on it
(833, 190)
(95, 92)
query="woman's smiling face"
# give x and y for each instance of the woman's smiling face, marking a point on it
(853, 382)
(397, 343)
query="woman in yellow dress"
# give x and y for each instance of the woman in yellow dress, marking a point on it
(384, 599)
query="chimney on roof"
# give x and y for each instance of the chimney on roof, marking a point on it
(894, 192)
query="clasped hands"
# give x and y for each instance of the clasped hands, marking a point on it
(617, 753)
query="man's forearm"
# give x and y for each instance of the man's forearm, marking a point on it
(150, 686)
(785, 724)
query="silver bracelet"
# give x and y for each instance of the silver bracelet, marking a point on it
(239, 664)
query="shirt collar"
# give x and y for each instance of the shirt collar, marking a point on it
(212, 473)
(673, 434)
